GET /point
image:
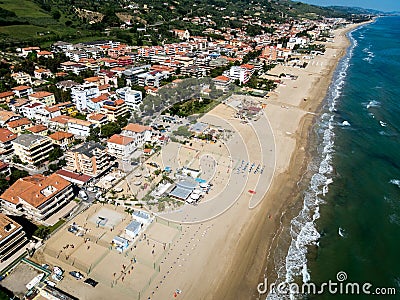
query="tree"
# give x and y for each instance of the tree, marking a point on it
(55, 153)
(110, 129)
(182, 131)
(56, 15)
(42, 232)
(94, 134)
(17, 174)
(4, 184)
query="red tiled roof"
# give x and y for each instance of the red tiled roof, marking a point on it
(18, 123)
(60, 135)
(21, 88)
(120, 139)
(6, 94)
(136, 127)
(6, 135)
(30, 189)
(37, 128)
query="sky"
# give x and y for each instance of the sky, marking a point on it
(383, 5)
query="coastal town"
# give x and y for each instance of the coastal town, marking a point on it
(124, 158)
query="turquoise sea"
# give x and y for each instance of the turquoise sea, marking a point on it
(360, 219)
(348, 228)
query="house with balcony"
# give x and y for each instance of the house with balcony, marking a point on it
(32, 149)
(22, 91)
(19, 125)
(6, 138)
(6, 97)
(97, 118)
(90, 159)
(114, 109)
(79, 127)
(44, 97)
(7, 116)
(140, 133)
(62, 138)
(38, 197)
(121, 146)
(222, 83)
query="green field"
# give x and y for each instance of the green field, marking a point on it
(24, 8)
(22, 31)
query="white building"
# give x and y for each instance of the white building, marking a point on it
(82, 94)
(79, 127)
(132, 98)
(140, 133)
(121, 146)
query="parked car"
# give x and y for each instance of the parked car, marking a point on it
(76, 274)
(91, 282)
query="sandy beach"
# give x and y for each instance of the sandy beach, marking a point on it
(219, 248)
(227, 254)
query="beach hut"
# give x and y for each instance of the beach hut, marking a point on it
(133, 229)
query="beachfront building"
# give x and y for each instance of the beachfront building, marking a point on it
(140, 133)
(121, 146)
(12, 237)
(222, 83)
(37, 196)
(133, 229)
(32, 149)
(90, 158)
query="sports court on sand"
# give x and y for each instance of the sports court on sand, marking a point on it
(90, 251)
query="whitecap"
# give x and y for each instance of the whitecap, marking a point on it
(394, 219)
(373, 103)
(383, 124)
(395, 182)
(345, 123)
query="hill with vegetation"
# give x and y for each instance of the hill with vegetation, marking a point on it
(27, 22)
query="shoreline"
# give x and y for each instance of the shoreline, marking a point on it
(251, 261)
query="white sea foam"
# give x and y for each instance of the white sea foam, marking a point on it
(383, 124)
(395, 182)
(373, 103)
(394, 219)
(345, 123)
(303, 231)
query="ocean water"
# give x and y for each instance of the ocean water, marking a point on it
(348, 228)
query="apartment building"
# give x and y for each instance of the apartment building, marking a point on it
(37, 196)
(114, 109)
(79, 127)
(121, 146)
(32, 149)
(140, 133)
(90, 158)
(44, 97)
(6, 138)
(12, 237)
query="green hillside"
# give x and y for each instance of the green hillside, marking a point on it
(26, 22)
